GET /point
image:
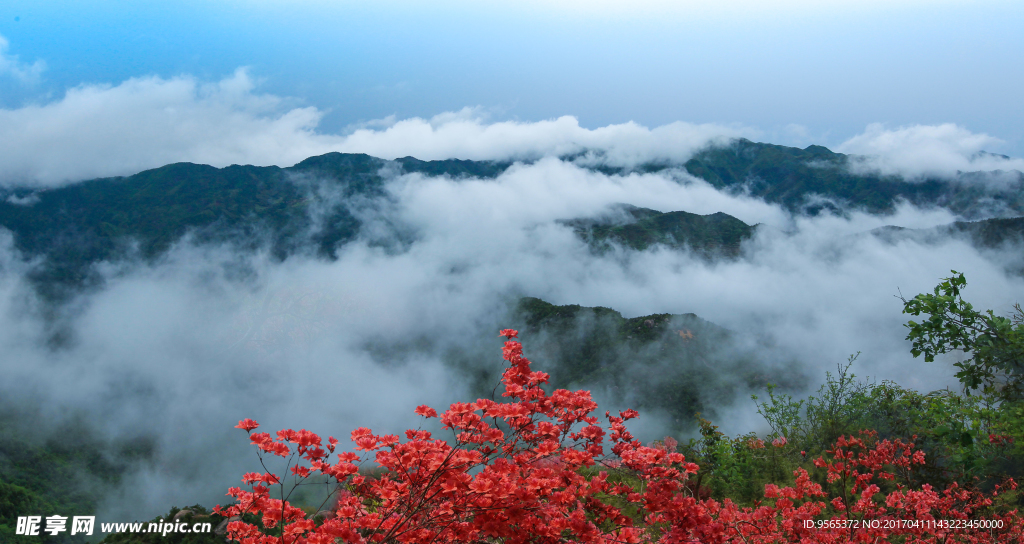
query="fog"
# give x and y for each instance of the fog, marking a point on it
(179, 349)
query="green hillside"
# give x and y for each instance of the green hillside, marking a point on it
(991, 233)
(987, 233)
(104, 219)
(313, 207)
(64, 471)
(789, 175)
(640, 228)
(677, 365)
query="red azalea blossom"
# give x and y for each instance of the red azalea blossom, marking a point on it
(1000, 439)
(247, 425)
(426, 411)
(533, 469)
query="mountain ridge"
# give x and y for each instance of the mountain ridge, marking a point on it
(713, 235)
(144, 214)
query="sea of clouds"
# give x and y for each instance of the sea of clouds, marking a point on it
(179, 349)
(114, 130)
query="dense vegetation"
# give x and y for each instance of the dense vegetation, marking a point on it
(789, 176)
(714, 235)
(973, 438)
(286, 209)
(64, 470)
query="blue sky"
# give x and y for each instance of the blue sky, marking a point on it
(792, 72)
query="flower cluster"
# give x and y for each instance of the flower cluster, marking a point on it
(534, 469)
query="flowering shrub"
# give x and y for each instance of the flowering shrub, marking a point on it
(534, 469)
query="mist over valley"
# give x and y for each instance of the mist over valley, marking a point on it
(152, 312)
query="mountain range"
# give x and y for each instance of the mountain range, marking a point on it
(314, 206)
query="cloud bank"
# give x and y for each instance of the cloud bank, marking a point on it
(465, 135)
(919, 151)
(113, 130)
(102, 130)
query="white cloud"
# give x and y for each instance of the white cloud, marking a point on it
(164, 347)
(98, 130)
(466, 135)
(925, 150)
(103, 130)
(10, 65)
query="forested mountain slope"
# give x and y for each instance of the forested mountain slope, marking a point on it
(789, 176)
(314, 206)
(712, 235)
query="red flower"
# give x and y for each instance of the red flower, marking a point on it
(426, 411)
(247, 425)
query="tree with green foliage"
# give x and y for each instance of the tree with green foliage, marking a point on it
(995, 343)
